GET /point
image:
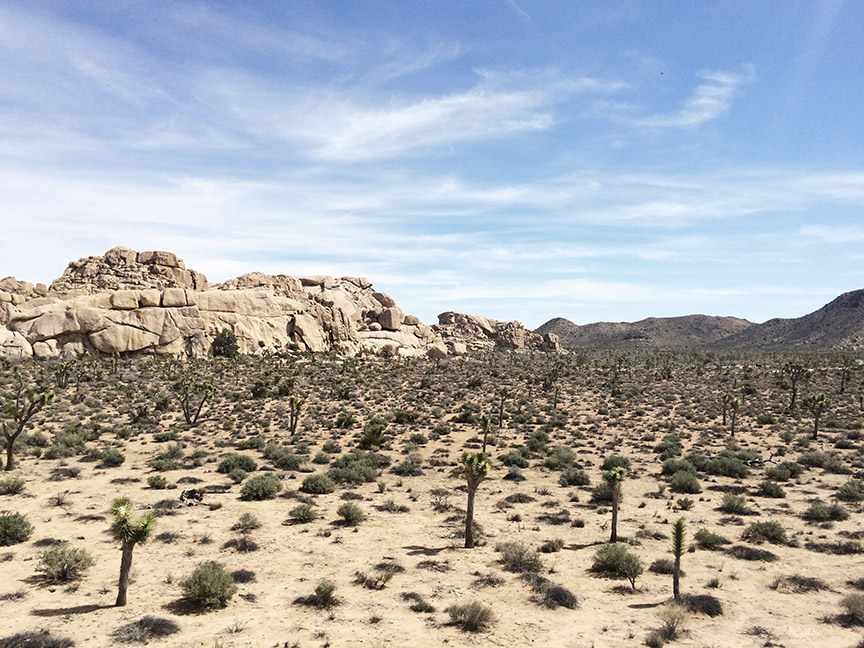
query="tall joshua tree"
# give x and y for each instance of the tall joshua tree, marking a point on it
(613, 478)
(474, 467)
(28, 402)
(128, 532)
(816, 404)
(678, 551)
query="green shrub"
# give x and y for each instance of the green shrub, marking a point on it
(615, 461)
(225, 344)
(111, 457)
(246, 523)
(515, 457)
(237, 475)
(672, 466)
(735, 504)
(705, 539)
(157, 482)
(350, 513)
(357, 467)
(323, 597)
(331, 447)
(303, 514)
(408, 468)
(770, 531)
(684, 482)
(727, 467)
(819, 512)
(62, 563)
(559, 458)
(11, 486)
(784, 471)
(318, 484)
(261, 487)
(404, 416)
(851, 491)
(471, 616)
(601, 493)
(162, 437)
(609, 558)
(233, 462)
(770, 489)
(14, 528)
(574, 477)
(208, 586)
(517, 557)
(669, 446)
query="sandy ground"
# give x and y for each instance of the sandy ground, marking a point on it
(291, 559)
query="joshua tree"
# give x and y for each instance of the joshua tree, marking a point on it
(614, 477)
(816, 404)
(193, 393)
(795, 372)
(28, 402)
(486, 426)
(731, 403)
(294, 406)
(475, 467)
(678, 551)
(128, 533)
(503, 395)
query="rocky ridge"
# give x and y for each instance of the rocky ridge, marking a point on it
(149, 302)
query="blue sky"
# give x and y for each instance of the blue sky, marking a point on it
(513, 159)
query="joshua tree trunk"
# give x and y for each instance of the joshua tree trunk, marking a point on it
(676, 575)
(10, 454)
(469, 519)
(125, 567)
(815, 426)
(614, 537)
(733, 416)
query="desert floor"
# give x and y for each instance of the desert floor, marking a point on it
(596, 406)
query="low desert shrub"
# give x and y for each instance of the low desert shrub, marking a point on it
(574, 477)
(706, 539)
(769, 531)
(820, 512)
(770, 489)
(735, 504)
(684, 482)
(111, 457)
(235, 461)
(514, 457)
(323, 598)
(318, 484)
(672, 466)
(14, 528)
(799, 584)
(246, 523)
(549, 594)
(42, 639)
(350, 513)
(208, 586)
(303, 514)
(262, 487)
(851, 491)
(519, 558)
(702, 604)
(853, 608)
(157, 482)
(601, 493)
(471, 616)
(614, 559)
(11, 486)
(63, 564)
(743, 552)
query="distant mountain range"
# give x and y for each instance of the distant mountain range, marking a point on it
(837, 325)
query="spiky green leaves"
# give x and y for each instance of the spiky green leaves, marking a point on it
(125, 528)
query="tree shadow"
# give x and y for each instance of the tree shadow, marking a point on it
(78, 609)
(418, 550)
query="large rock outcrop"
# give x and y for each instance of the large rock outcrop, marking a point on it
(134, 302)
(463, 332)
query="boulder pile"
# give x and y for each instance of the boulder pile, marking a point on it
(149, 302)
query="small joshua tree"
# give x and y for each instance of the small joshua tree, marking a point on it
(474, 467)
(731, 403)
(28, 402)
(795, 372)
(294, 406)
(193, 393)
(128, 532)
(486, 426)
(678, 551)
(613, 478)
(816, 404)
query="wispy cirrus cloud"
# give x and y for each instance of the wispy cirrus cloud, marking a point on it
(709, 101)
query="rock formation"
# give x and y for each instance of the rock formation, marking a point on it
(128, 302)
(463, 332)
